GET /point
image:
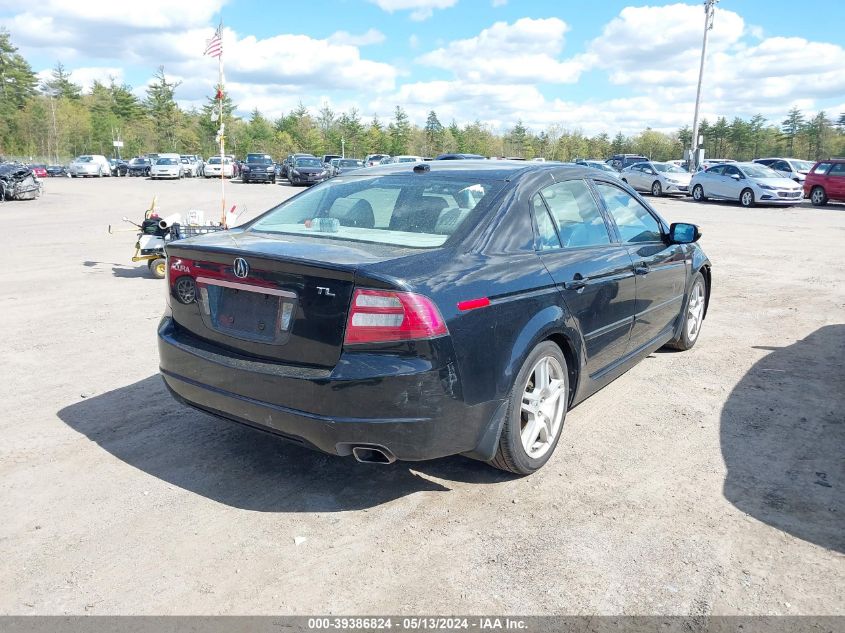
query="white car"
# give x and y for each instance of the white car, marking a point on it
(167, 167)
(190, 165)
(95, 165)
(749, 183)
(213, 167)
(658, 178)
(407, 159)
(793, 168)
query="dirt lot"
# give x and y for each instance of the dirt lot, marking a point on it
(707, 482)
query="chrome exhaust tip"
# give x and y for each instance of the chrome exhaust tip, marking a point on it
(373, 455)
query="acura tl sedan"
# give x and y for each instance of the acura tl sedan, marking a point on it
(658, 178)
(307, 171)
(749, 183)
(414, 311)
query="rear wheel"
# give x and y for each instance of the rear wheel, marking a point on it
(538, 403)
(158, 267)
(818, 196)
(693, 315)
(656, 189)
(746, 198)
(698, 193)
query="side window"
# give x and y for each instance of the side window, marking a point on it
(716, 171)
(546, 234)
(730, 170)
(574, 210)
(635, 222)
(838, 169)
(822, 168)
(781, 165)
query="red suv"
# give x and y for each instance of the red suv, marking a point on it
(826, 181)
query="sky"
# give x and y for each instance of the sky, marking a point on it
(591, 66)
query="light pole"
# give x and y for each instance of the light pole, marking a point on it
(709, 13)
(342, 147)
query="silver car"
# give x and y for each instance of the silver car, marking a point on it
(793, 168)
(749, 183)
(658, 178)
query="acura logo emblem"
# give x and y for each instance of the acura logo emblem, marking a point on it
(241, 268)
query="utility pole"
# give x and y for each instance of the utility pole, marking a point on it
(709, 13)
(342, 147)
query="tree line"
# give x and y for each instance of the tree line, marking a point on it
(54, 120)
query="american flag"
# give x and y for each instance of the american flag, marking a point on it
(214, 46)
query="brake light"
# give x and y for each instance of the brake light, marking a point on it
(383, 316)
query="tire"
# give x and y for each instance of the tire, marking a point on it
(698, 194)
(693, 315)
(625, 181)
(818, 196)
(656, 189)
(100, 173)
(158, 267)
(528, 417)
(746, 198)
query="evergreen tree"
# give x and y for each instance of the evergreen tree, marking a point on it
(60, 85)
(400, 132)
(433, 134)
(17, 81)
(792, 126)
(163, 111)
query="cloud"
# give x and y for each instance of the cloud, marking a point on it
(523, 52)
(372, 36)
(420, 9)
(499, 3)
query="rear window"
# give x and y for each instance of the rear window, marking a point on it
(400, 210)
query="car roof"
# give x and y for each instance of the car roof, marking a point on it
(479, 168)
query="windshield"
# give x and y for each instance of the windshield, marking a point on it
(166, 161)
(84, 159)
(307, 162)
(802, 165)
(214, 160)
(138, 161)
(759, 171)
(602, 166)
(258, 158)
(407, 159)
(400, 210)
(668, 168)
(350, 163)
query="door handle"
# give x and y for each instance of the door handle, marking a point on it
(577, 284)
(642, 269)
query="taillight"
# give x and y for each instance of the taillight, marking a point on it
(383, 316)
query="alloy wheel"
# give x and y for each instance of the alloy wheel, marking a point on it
(695, 311)
(543, 407)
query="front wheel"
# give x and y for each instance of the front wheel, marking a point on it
(693, 315)
(158, 267)
(698, 193)
(656, 189)
(818, 196)
(746, 198)
(538, 403)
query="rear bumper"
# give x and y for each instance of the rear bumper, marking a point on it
(408, 406)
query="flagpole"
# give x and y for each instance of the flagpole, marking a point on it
(222, 137)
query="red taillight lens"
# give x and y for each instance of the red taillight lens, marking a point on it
(383, 316)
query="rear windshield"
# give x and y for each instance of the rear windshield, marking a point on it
(401, 210)
(349, 163)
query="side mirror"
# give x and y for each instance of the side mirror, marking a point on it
(736, 176)
(683, 233)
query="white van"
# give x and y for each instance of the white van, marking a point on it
(89, 165)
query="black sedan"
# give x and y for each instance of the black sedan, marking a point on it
(139, 167)
(416, 311)
(307, 171)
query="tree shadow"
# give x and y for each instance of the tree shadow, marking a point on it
(246, 468)
(783, 439)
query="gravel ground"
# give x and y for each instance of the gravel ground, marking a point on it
(706, 482)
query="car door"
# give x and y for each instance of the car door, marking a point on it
(733, 182)
(660, 268)
(710, 181)
(835, 182)
(592, 272)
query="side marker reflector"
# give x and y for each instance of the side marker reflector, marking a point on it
(472, 304)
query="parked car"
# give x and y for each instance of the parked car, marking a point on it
(375, 159)
(213, 167)
(40, 171)
(710, 162)
(460, 157)
(793, 168)
(167, 167)
(307, 171)
(55, 171)
(406, 158)
(286, 164)
(826, 181)
(598, 164)
(258, 168)
(357, 317)
(327, 158)
(657, 178)
(139, 167)
(190, 165)
(90, 165)
(749, 183)
(345, 165)
(621, 161)
(118, 166)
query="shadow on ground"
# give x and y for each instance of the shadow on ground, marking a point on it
(140, 270)
(783, 439)
(245, 468)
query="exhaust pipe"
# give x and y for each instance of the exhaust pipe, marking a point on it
(373, 455)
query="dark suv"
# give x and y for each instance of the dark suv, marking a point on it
(826, 181)
(258, 168)
(621, 161)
